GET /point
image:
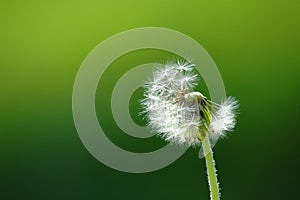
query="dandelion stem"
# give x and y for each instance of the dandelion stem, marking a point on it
(211, 170)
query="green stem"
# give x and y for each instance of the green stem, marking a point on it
(211, 170)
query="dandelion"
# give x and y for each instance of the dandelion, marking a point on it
(186, 117)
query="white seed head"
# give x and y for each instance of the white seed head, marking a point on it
(175, 111)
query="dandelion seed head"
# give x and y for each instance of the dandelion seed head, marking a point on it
(176, 112)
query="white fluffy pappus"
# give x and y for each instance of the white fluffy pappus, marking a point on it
(224, 118)
(175, 111)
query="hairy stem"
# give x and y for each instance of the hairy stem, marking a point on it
(210, 165)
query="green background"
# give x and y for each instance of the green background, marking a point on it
(255, 45)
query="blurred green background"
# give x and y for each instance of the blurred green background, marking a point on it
(255, 45)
